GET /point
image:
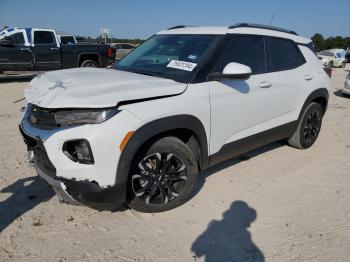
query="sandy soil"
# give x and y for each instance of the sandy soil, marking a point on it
(274, 204)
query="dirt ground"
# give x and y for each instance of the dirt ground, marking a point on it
(274, 204)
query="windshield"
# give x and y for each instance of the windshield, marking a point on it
(176, 57)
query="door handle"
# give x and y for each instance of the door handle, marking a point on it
(54, 48)
(265, 84)
(24, 49)
(308, 77)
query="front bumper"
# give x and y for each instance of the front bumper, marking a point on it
(94, 185)
(58, 186)
(70, 191)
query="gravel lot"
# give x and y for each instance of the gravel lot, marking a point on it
(274, 204)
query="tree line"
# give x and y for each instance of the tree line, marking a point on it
(318, 40)
(322, 43)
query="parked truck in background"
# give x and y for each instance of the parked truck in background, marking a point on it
(30, 49)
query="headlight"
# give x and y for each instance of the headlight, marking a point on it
(83, 116)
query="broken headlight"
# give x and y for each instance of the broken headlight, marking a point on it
(83, 116)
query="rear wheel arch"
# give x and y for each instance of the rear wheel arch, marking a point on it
(319, 96)
(89, 56)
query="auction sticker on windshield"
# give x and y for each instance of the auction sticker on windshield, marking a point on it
(182, 65)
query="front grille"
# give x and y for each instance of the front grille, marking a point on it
(41, 118)
(41, 158)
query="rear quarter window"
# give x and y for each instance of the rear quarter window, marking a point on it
(283, 54)
(17, 38)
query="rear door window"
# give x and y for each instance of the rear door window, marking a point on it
(44, 37)
(17, 38)
(67, 40)
(247, 50)
(283, 54)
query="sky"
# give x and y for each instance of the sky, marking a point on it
(141, 19)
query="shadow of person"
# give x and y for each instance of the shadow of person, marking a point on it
(27, 193)
(229, 239)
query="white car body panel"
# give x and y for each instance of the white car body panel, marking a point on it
(95, 88)
(194, 101)
(230, 120)
(104, 140)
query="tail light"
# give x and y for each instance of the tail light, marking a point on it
(328, 71)
(109, 52)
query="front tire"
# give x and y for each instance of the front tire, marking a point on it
(163, 176)
(309, 127)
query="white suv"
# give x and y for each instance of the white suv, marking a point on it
(186, 99)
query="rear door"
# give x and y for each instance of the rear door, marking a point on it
(291, 78)
(18, 56)
(46, 49)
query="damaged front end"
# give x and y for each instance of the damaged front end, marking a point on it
(36, 127)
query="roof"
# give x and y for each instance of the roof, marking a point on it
(222, 30)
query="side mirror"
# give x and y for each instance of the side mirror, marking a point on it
(6, 42)
(232, 71)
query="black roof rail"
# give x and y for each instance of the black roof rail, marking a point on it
(178, 26)
(263, 27)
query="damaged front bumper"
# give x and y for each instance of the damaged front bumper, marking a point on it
(59, 187)
(70, 191)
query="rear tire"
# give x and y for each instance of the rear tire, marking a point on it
(163, 176)
(309, 127)
(89, 63)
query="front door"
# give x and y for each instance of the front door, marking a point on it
(46, 50)
(240, 108)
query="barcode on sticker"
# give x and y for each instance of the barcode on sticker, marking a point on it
(182, 65)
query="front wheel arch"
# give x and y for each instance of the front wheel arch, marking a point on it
(154, 130)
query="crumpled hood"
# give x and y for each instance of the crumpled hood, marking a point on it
(96, 88)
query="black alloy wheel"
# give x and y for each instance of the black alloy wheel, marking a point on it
(312, 127)
(160, 179)
(163, 175)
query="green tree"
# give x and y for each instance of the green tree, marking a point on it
(318, 42)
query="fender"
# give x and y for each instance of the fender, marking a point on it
(115, 196)
(318, 93)
(154, 128)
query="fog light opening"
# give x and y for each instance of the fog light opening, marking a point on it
(78, 150)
